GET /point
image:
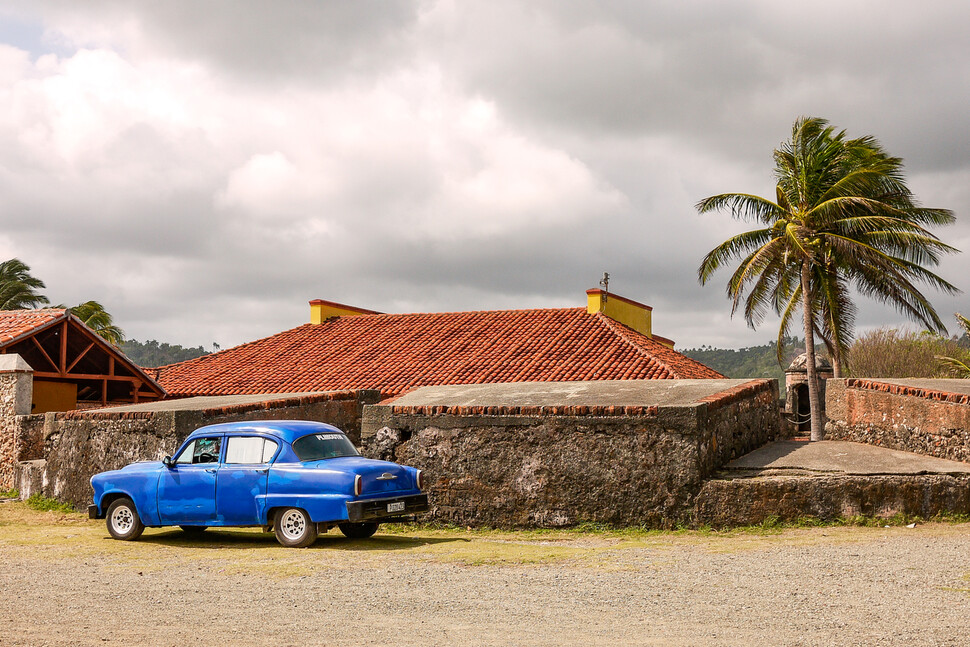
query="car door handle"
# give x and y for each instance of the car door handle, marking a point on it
(262, 471)
(210, 470)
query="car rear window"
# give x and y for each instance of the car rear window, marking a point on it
(316, 447)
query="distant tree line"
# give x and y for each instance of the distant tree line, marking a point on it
(152, 353)
(753, 361)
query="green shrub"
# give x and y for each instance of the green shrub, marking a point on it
(890, 352)
(10, 494)
(45, 504)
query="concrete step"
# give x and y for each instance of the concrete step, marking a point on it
(790, 497)
(789, 480)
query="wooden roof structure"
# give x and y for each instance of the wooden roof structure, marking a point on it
(60, 348)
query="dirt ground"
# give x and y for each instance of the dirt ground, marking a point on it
(64, 582)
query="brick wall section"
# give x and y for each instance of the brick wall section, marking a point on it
(78, 444)
(559, 466)
(924, 421)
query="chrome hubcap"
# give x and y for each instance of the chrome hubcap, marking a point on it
(293, 525)
(122, 520)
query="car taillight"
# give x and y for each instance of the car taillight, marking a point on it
(358, 485)
(419, 479)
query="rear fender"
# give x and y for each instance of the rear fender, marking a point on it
(320, 507)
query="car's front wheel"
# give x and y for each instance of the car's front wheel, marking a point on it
(358, 530)
(122, 520)
(294, 528)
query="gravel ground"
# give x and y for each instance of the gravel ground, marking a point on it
(64, 583)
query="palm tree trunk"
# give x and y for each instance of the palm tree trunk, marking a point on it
(814, 402)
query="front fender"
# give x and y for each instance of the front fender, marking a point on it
(142, 489)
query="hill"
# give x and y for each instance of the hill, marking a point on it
(151, 353)
(754, 361)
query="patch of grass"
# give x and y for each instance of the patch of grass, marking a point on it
(46, 531)
(10, 494)
(772, 525)
(44, 504)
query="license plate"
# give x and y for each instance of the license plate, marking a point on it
(397, 506)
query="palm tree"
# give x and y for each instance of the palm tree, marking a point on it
(97, 319)
(842, 217)
(18, 289)
(958, 366)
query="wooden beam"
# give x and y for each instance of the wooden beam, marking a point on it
(62, 366)
(139, 373)
(111, 364)
(44, 353)
(104, 391)
(80, 357)
(89, 376)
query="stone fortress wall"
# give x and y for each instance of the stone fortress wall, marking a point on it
(543, 465)
(923, 416)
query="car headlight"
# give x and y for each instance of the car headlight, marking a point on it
(419, 479)
(358, 485)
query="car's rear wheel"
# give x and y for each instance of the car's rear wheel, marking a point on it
(294, 528)
(122, 520)
(193, 530)
(358, 530)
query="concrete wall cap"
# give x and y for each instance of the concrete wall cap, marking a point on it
(14, 363)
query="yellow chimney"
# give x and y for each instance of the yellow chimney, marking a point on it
(622, 310)
(321, 310)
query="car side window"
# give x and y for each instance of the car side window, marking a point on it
(200, 450)
(249, 450)
(185, 456)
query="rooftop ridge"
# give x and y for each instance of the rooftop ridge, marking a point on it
(466, 312)
(628, 336)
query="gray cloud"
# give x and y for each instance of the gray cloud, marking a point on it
(205, 169)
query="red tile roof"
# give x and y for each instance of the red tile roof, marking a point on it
(394, 353)
(18, 323)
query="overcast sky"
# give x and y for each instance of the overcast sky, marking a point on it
(204, 169)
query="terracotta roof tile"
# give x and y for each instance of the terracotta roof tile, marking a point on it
(394, 353)
(17, 323)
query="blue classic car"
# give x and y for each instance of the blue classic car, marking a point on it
(297, 478)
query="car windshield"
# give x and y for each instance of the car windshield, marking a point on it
(316, 447)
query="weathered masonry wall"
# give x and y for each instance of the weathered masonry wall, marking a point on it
(16, 381)
(929, 417)
(71, 447)
(746, 501)
(548, 466)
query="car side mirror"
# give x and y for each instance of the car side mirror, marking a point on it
(168, 462)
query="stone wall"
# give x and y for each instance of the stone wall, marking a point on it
(746, 501)
(562, 465)
(927, 419)
(78, 444)
(16, 382)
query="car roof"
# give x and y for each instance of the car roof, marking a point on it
(288, 430)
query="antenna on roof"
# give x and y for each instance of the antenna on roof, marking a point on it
(605, 283)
